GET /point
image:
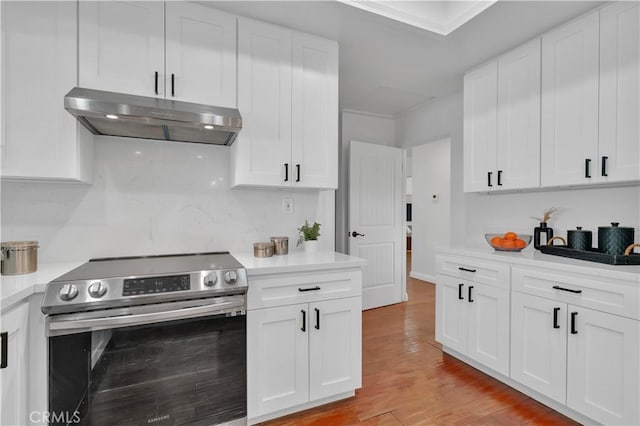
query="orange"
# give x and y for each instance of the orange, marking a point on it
(520, 243)
(497, 241)
(509, 244)
(510, 236)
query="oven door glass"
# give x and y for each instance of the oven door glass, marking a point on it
(189, 371)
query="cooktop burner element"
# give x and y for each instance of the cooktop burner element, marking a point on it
(131, 281)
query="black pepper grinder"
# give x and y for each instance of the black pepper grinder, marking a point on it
(538, 231)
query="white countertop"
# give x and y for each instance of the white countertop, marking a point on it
(532, 257)
(297, 261)
(15, 288)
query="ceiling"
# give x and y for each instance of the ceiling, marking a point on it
(388, 67)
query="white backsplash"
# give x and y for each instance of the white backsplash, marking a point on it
(153, 197)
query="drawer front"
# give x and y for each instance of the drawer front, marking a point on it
(478, 270)
(580, 290)
(287, 289)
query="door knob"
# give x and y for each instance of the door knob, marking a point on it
(356, 234)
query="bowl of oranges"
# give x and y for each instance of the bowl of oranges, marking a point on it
(509, 241)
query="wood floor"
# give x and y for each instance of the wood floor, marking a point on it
(408, 380)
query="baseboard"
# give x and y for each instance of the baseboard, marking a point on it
(301, 407)
(423, 277)
(560, 408)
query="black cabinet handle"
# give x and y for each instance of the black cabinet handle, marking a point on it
(286, 172)
(604, 166)
(573, 323)
(309, 289)
(4, 349)
(304, 320)
(156, 83)
(555, 317)
(460, 291)
(173, 85)
(470, 299)
(587, 168)
(489, 178)
(570, 290)
(297, 172)
(466, 269)
(317, 318)
(499, 177)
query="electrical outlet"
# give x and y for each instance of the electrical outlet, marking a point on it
(287, 206)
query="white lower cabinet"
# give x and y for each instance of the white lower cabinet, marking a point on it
(301, 353)
(577, 356)
(14, 372)
(473, 319)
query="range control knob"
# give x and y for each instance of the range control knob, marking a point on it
(97, 289)
(230, 277)
(210, 279)
(68, 292)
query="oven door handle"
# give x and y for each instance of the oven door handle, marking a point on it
(78, 324)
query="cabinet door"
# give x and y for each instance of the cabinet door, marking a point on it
(480, 127)
(603, 367)
(13, 378)
(451, 313)
(200, 54)
(335, 347)
(518, 146)
(315, 112)
(121, 46)
(39, 66)
(263, 148)
(538, 350)
(570, 103)
(277, 358)
(619, 92)
(488, 331)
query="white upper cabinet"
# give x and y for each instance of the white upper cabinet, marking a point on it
(619, 141)
(518, 148)
(570, 102)
(200, 54)
(122, 46)
(502, 122)
(261, 155)
(177, 50)
(314, 148)
(40, 140)
(480, 127)
(288, 98)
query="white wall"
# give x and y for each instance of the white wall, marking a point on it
(360, 127)
(431, 217)
(472, 215)
(152, 197)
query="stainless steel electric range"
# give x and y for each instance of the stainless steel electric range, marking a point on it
(153, 340)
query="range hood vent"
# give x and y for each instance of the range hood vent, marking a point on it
(119, 114)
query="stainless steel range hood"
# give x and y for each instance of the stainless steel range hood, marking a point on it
(119, 114)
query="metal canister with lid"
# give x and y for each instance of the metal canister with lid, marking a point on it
(280, 245)
(614, 239)
(263, 249)
(19, 257)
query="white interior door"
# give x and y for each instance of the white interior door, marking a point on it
(375, 212)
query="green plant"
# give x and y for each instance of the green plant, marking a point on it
(308, 232)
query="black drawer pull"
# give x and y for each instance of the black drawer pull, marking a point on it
(460, 296)
(304, 320)
(587, 168)
(470, 299)
(156, 82)
(4, 349)
(489, 178)
(298, 172)
(570, 290)
(309, 289)
(555, 317)
(573, 323)
(604, 166)
(466, 269)
(286, 172)
(173, 85)
(317, 318)
(499, 177)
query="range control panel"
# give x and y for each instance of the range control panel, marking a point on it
(152, 285)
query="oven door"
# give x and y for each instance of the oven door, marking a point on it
(166, 364)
